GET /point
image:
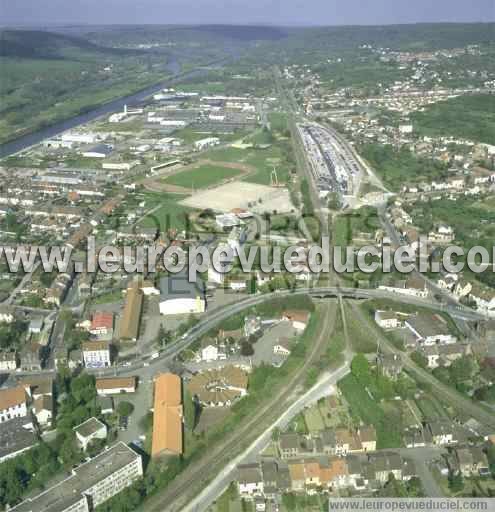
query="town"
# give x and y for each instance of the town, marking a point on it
(262, 390)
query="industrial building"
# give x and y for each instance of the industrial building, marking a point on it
(167, 416)
(179, 296)
(129, 327)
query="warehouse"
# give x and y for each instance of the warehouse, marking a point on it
(129, 327)
(167, 416)
(178, 296)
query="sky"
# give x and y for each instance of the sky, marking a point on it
(273, 12)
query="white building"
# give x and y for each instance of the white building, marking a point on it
(89, 430)
(430, 329)
(206, 143)
(8, 361)
(115, 385)
(43, 410)
(96, 354)
(91, 483)
(178, 296)
(13, 403)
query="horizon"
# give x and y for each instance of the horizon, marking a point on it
(238, 12)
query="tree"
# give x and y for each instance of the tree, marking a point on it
(456, 483)
(419, 359)
(247, 349)
(125, 408)
(164, 337)
(360, 368)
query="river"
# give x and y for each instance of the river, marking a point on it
(30, 139)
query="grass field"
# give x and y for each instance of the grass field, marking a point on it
(202, 177)
(170, 214)
(264, 160)
(313, 419)
(364, 408)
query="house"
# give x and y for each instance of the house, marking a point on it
(445, 355)
(96, 354)
(8, 360)
(209, 350)
(386, 463)
(43, 410)
(31, 355)
(282, 347)
(289, 445)
(89, 430)
(179, 296)
(276, 477)
(430, 329)
(102, 324)
(442, 432)
(115, 385)
(389, 319)
(367, 436)
(13, 403)
(250, 480)
(167, 416)
(298, 318)
(390, 365)
(472, 461)
(35, 325)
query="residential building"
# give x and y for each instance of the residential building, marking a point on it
(102, 324)
(250, 480)
(167, 416)
(298, 319)
(13, 403)
(389, 319)
(472, 461)
(89, 430)
(96, 354)
(16, 436)
(115, 385)
(90, 484)
(43, 410)
(31, 355)
(8, 360)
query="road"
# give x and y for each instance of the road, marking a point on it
(322, 388)
(194, 478)
(421, 457)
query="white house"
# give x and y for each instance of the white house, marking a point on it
(389, 319)
(96, 354)
(430, 329)
(282, 347)
(89, 430)
(43, 410)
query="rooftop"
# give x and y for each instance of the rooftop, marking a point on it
(167, 415)
(61, 496)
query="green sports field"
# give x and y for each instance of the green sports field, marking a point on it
(202, 177)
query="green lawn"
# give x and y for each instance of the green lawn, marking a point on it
(202, 177)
